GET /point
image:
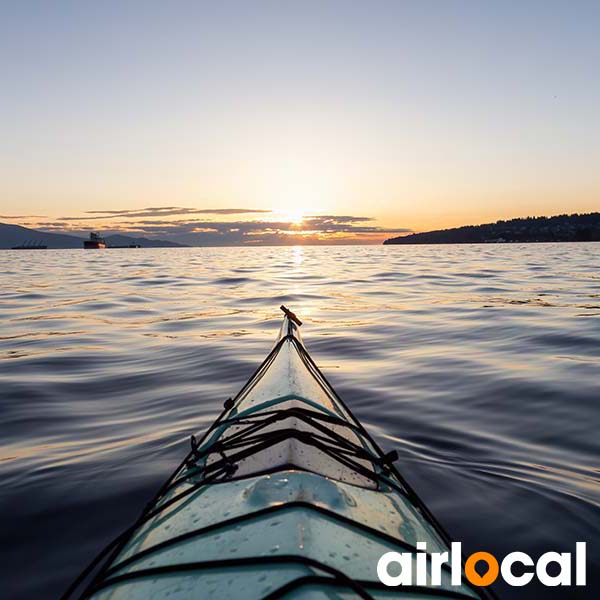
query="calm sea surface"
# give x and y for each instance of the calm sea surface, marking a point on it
(479, 364)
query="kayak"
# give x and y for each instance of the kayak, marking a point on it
(285, 495)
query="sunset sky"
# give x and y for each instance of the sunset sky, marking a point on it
(263, 121)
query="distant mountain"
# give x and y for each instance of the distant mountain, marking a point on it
(561, 228)
(15, 235)
(125, 240)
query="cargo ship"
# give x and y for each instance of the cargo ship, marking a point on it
(94, 242)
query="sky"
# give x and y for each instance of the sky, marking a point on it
(296, 122)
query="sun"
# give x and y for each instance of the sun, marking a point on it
(295, 217)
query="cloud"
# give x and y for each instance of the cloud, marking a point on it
(162, 211)
(314, 229)
(341, 218)
(13, 217)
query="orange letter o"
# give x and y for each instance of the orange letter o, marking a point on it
(489, 577)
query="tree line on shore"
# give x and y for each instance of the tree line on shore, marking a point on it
(560, 228)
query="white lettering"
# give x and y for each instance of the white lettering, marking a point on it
(580, 566)
(421, 568)
(509, 561)
(456, 563)
(404, 559)
(563, 577)
(437, 560)
(407, 571)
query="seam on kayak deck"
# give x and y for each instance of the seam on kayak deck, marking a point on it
(256, 515)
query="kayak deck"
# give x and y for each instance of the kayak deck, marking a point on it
(285, 495)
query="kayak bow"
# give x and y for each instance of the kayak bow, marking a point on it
(286, 494)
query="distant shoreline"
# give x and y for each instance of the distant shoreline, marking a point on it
(371, 245)
(529, 230)
(506, 242)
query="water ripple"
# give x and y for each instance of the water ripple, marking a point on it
(473, 361)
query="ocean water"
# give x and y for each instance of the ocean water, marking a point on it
(480, 364)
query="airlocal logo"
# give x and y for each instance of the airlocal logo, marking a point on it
(405, 561)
